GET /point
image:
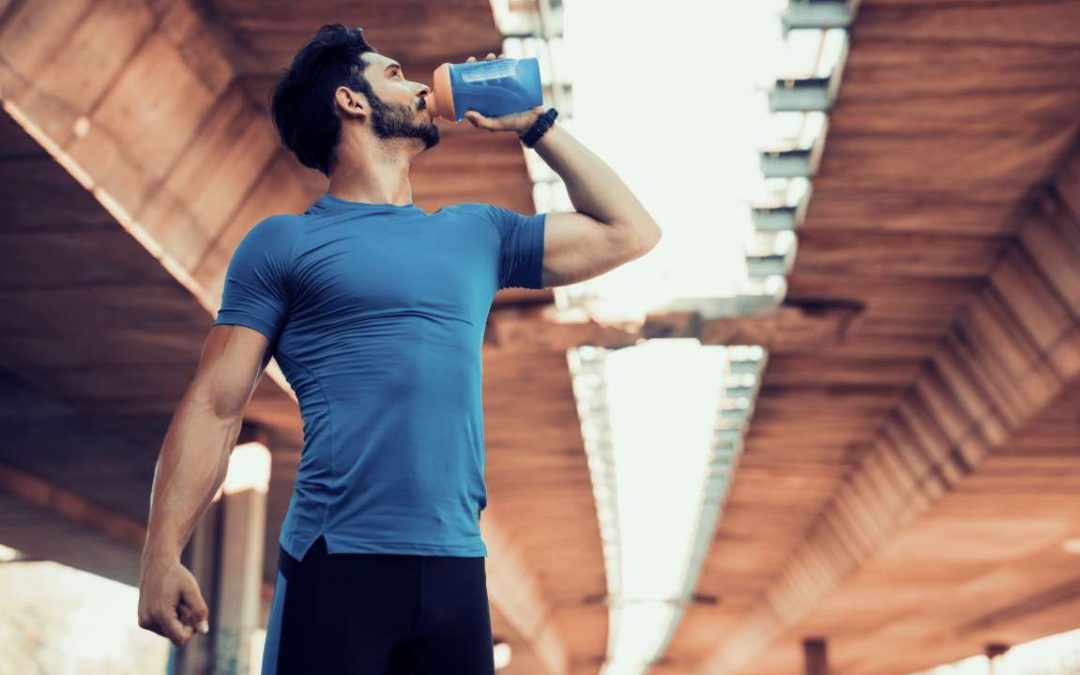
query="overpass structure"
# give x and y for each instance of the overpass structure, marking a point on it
(905, 488)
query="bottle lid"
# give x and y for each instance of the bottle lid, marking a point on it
(441, 99)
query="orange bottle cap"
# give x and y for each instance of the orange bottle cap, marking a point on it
(441, 99)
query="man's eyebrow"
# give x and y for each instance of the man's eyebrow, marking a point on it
(393, 65)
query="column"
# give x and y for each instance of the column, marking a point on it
(815, 656)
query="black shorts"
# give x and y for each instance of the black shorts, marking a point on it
(378, 614)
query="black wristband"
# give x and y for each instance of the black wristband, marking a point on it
(539, 128)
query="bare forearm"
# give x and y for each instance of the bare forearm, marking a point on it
(594, 188)
(190, 468)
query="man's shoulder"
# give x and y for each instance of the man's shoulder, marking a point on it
(277, 232)
(280, 222)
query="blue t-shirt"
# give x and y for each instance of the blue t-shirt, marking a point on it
(376, 315)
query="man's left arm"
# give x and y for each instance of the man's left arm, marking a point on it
(609, 228)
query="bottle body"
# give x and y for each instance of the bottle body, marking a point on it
(491, 88)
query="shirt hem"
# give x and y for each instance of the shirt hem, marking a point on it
(334, 545)
(225, 317)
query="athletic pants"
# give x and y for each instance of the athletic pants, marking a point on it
(378, 614)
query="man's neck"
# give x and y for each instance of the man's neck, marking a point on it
(374, 173)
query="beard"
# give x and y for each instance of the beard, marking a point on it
(401, 121)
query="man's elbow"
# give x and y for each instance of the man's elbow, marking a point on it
(647, 236)
(655, 235)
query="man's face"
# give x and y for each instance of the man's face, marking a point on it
(398, 109)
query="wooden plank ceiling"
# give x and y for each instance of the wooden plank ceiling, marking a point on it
(135, 152)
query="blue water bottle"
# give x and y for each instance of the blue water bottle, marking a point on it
(491, 88)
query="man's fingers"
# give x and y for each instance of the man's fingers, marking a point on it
(150, 624)
(197, 610)
(172, 628)
(145, 620)
(490, 57)
(479, 120)
(171, 603)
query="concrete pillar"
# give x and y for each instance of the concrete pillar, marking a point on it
(226, 556)
(815, 656)
(243, 531)
(200, 556)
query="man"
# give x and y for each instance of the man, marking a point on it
(375, 311)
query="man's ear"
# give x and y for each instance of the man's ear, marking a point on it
(350, 103)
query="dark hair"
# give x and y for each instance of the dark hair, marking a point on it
(302, 105)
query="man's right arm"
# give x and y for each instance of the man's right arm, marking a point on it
(190, 468)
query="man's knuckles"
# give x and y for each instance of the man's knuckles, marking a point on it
(179, 633)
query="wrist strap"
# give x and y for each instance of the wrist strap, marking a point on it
(539, 128)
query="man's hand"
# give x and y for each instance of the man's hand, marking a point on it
(517, 122)
(170, 603)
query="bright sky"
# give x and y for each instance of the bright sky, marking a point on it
(674, 101)
(667, 98)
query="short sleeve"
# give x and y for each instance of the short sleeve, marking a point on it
(256, 287)
(521, 256)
